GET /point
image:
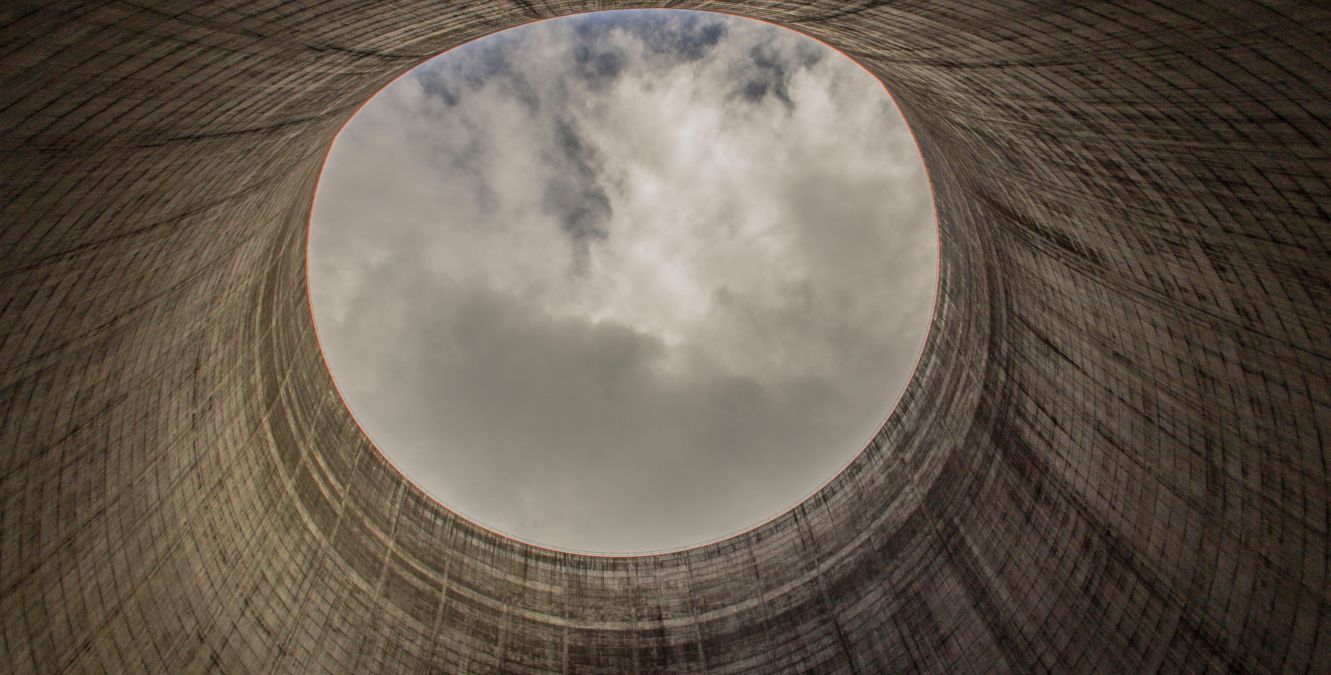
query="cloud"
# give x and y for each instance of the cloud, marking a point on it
(624, 281)
(574, 196)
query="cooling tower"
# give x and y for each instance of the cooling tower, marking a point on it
(1113, 455)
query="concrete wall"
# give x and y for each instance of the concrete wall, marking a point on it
(1114, 455)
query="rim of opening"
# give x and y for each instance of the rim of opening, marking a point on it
(713, 541)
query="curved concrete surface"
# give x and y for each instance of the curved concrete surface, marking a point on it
(1113, 455)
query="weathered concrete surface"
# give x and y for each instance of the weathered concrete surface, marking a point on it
(1113, 456)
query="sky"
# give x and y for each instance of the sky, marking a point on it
(625, 281)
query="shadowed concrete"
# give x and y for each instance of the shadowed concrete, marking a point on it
(1112, 456)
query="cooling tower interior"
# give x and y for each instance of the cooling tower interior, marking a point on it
(1113, 455)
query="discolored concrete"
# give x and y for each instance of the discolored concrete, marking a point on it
(1113, 454)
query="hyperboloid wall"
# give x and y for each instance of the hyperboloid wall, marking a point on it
(1113, 456)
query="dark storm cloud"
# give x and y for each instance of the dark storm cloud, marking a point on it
(597, 64)
(574, 196)
(768, 70)
(753, 253)
(475, 66)
(441, 88)
(769, 75)
(670, 37)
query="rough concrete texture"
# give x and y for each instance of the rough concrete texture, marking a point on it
(1114, 454)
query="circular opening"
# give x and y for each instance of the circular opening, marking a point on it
(624, 281)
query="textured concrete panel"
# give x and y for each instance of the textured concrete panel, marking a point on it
(1113, 456)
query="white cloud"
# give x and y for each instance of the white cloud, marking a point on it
(624, 281)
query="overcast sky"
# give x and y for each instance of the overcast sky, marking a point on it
(624, 281)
